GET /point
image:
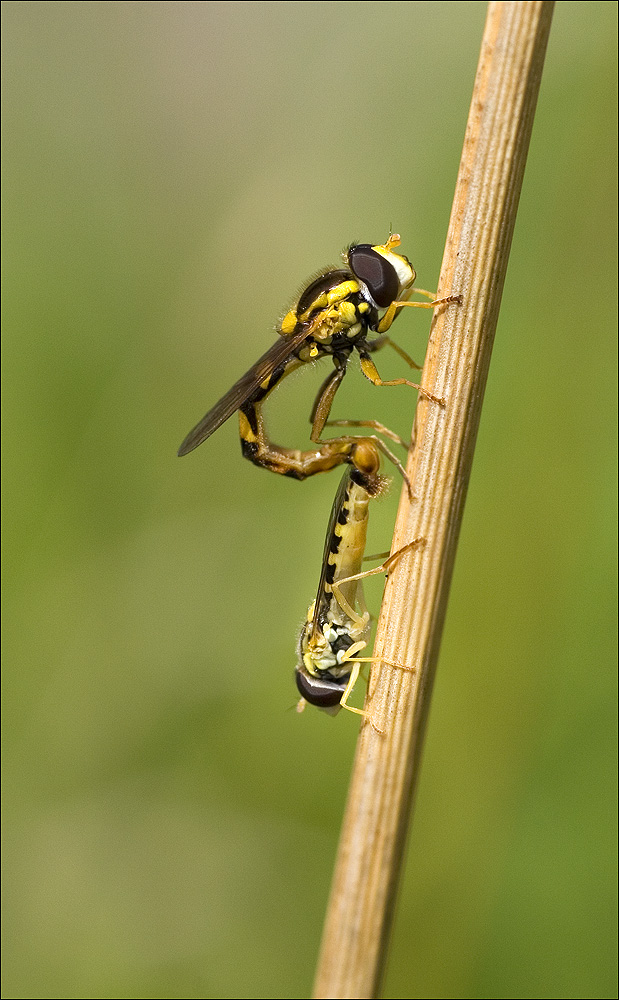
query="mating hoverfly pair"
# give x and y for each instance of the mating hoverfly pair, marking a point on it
(334, 315)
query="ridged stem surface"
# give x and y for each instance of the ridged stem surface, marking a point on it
(371, 848)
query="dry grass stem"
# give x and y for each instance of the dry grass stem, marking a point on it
(409, 631)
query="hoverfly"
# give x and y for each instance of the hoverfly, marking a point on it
(334, 315)
(335, 631)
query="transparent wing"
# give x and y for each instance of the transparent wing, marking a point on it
(321, 597)
(264, 367)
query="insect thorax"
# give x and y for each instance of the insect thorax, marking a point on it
(322, 651)
(336, 312)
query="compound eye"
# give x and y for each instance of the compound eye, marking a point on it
(376, 272)
(322, 692)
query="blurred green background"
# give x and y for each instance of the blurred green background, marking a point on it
(173, 173)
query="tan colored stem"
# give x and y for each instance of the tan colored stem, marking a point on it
(372, 841)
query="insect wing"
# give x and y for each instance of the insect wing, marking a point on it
(264, 367)
(336, 510)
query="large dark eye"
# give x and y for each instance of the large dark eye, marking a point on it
(324, 693)
(376, 272)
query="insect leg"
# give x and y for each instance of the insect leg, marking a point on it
(384, 568)
(324, 400)
(369, 423)
(380, 342)
(352, 680)
(370, 371)
(395, 308)
(361, 621)
(297, 464)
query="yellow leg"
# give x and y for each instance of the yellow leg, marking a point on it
(380, 342)
(396, 306)
(324, 401)
(380, 428)
(447, 301)
(385, 567)
(362, 620)
(352, 680)
(370, 371)
(405, 357)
